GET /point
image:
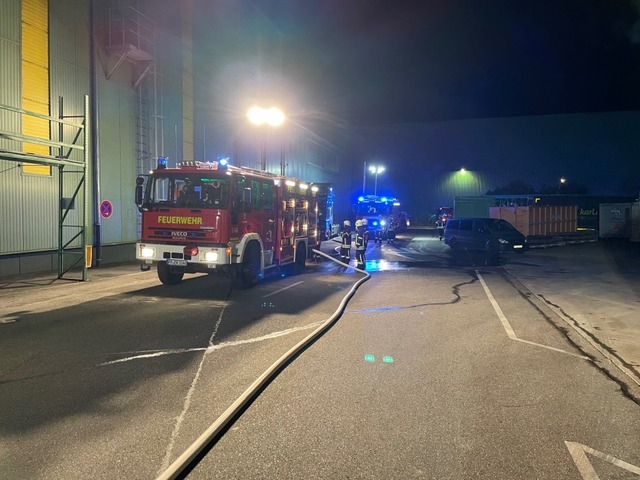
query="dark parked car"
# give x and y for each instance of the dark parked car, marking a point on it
(489, 235)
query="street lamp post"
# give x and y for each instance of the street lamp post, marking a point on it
(364, 177)
(376, 170)
(273, 117)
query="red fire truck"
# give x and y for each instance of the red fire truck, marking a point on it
(216, 218)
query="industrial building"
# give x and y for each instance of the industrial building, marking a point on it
(91, 94)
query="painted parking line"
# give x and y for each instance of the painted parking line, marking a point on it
(507, 326)
(579, 454)
(283, 289)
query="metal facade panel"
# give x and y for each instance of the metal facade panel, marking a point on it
(116, 121)
(72, 84)
(69, 32)
(10, 208)
(10, 20)
(39, 202)
(28, 211)
(10, 91)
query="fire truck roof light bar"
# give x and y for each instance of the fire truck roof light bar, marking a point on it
(201, 165)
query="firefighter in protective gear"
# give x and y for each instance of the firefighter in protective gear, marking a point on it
(360, 245)
(345, 247)
(365, 225)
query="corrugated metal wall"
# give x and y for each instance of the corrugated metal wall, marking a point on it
(10, 227)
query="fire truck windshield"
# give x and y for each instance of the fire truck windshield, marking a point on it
(190, 190)
(373, 208)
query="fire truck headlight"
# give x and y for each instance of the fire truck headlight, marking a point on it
(211, 256)
(383, 223)
(147, 252)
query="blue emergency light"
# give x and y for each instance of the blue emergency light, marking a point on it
(162, 163)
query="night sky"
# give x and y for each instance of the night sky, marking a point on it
(380, 65)
(380, 62)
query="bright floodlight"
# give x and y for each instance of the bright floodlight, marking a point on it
(260, 116)
(256, 115)
(376, 170)
(275, 117)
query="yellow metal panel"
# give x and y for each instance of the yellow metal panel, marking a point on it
(35, 87)
(36, 13)
(35, 45)
(36, 169)
(35, 78)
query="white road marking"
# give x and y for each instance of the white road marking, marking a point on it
(159, 353)
(211, 348)
(579, 454)
(283, 289)
(507, 326)
(187, 401)
(269, 336)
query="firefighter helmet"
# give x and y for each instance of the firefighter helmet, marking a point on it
(346, 223)
(364, 222)
(358, 223)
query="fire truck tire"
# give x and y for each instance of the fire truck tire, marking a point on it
(301, 259)
(249, 271)
(167, 277)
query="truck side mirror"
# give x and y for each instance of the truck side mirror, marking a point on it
(246, 199)
(139, 184)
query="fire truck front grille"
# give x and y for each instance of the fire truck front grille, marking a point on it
(166, 255)
(159, 233)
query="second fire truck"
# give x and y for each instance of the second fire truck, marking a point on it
(383, 215)
(214, 218)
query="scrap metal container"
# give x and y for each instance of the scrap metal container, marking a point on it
(472, 206)
(539, 220)
(635, 222)
(615, 220)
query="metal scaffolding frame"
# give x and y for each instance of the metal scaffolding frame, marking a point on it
(65, 167)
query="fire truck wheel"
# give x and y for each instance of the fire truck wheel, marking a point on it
(167, 277)
(250, 269)
(301, 259)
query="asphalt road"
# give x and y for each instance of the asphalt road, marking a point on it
(438, 368)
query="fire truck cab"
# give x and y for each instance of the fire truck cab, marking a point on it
(216, 218)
